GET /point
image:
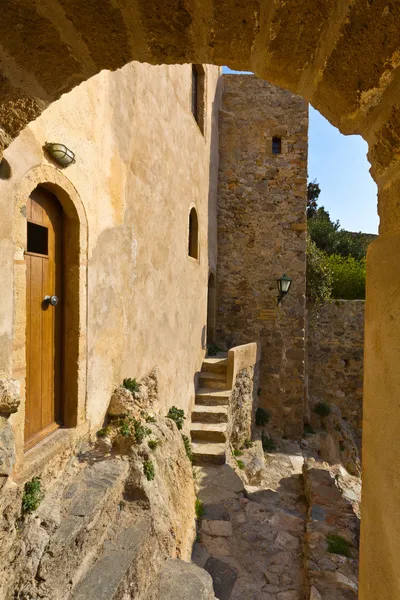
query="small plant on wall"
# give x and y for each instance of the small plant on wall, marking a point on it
(33, 495)
(177, 415)
(131, 384)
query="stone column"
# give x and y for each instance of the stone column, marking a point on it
(380, 526)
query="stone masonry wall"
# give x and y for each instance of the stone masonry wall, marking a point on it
(335, 348)
(262, 235)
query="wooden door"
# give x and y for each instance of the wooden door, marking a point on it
(44, 270)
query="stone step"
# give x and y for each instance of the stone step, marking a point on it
(213, 380)
(88, 507)
(208, 432)
(212, 397)
(120, 559)
(203, 413)
(206, 453)
(215, 365)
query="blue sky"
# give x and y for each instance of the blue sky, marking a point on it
(339, 164)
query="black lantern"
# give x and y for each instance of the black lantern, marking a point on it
(284, 284)
(61, 154)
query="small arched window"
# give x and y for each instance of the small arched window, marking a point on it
(193, 245)
(276, 145)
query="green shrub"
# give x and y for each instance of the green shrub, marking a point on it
(177, 415)
(348, 277)
(33, 495)
(237, 452)
(188, 447)
(152, 444)
(199, 509)
(322, 409)
(240, 464)
(247, 444)
(268, 443)
(131, 384)
(148, 470)
(262, 417)
(150, 419)
(338, 545)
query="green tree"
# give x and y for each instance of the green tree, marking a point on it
(348, 277)
(318, 276)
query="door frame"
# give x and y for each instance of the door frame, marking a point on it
(74, 354)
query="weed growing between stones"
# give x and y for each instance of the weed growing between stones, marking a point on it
(322, 409)
(150, 419)
(177, 415)
(199, 509)
(148, 470)
(135, 428)
(308, 430)
(247, 444)
(131, 384)
(125, 428)
(188, 447)
(240, 464)
(262, 417)
(33, 495)
(152, 444)
(104, 431)
(268, 443)
(338, 545)
(237, 452)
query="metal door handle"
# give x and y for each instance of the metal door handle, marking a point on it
(53, 300)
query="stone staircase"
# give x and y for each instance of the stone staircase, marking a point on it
(210, 414)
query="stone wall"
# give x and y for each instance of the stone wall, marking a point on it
(242, 405)
(262, 235)
(335, 351)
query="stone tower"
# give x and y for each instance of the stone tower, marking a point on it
(262, 235)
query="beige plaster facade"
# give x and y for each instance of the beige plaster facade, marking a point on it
(136, 300)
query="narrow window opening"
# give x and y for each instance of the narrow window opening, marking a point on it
(38, 239)
(276, 145)
(193, 247)
(198, 87)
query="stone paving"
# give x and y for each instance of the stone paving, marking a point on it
(268, 541)
(250, 541)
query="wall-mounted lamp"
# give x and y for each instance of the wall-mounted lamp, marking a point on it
(60, 153)
(284, 284)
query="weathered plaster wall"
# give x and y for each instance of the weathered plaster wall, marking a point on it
(262, 235)
(141, 163)
(335, 352)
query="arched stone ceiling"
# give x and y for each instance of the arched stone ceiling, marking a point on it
(341, 55)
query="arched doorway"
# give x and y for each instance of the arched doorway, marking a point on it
(69, 407)
(44, 322)
(211, 309)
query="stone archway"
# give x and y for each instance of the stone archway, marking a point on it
(342, 57)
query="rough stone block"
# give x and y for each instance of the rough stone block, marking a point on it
(223, 576)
